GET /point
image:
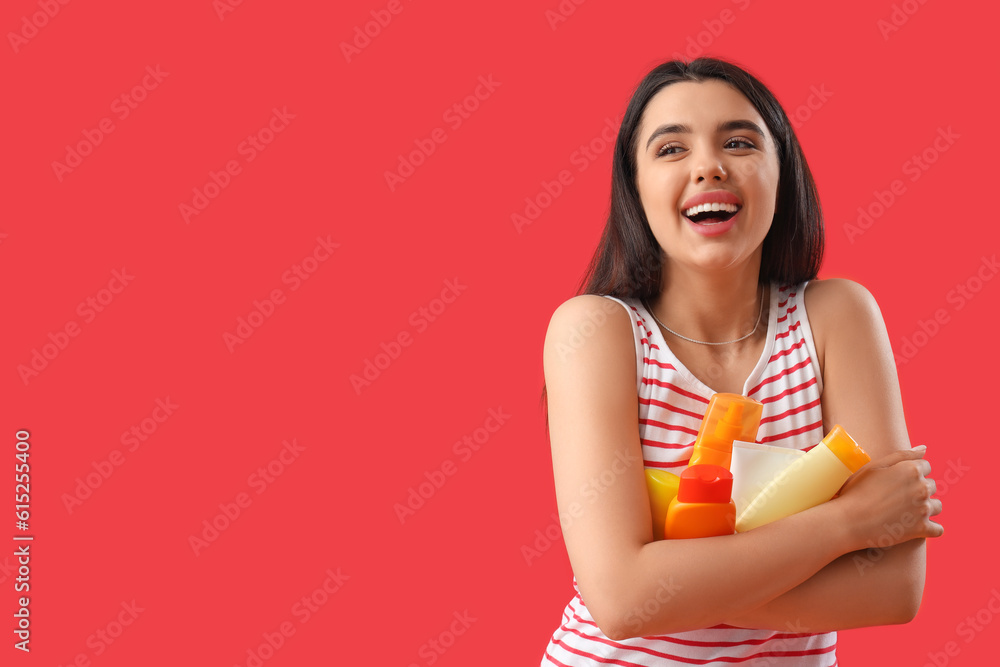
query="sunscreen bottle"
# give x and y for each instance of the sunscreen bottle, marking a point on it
(662, 486)
(811, 479)
(754, 466)
(728, 417)
(703, 506)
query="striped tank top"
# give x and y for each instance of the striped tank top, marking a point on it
(672, 402)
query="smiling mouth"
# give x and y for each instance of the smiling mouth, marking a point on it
(711, 217)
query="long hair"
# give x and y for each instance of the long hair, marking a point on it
(628, 261)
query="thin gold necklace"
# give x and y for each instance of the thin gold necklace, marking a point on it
(702, 342)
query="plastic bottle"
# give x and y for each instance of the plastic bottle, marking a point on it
(755, 466)
(728, 417)
(662, 486)
(703, 506)
(808, 481)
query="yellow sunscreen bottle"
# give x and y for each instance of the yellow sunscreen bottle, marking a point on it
(662, 486)
(809, 480)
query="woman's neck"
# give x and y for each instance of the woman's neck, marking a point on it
(712, 306)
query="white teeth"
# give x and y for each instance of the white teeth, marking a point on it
(715, 206)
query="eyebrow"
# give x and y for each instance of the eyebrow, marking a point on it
(725, 126)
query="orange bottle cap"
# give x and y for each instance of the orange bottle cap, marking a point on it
(705, 484)
(848, 451)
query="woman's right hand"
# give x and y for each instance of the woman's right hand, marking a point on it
(890, 500)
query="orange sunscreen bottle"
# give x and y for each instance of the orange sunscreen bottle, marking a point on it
(662, 486)
(729, 417)
(809, 480)
(703, 506)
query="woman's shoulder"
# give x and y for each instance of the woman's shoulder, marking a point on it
(839, 308)
(590, 317)
(595, 309)
(837, 296)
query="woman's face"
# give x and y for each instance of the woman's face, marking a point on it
(706, 137)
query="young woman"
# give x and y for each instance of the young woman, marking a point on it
(705, 282)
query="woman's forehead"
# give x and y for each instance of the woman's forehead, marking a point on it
(694, 103)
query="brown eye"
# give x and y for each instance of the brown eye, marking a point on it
(665, 150)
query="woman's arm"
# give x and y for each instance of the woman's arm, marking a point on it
(875, 586)
(859, 589)
(632, 585)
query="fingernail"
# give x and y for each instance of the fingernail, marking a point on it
(921, 448)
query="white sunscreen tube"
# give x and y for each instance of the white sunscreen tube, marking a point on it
(754, 466)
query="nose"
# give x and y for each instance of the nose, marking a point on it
(708, 166)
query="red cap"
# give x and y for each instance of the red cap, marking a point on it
(705, 483)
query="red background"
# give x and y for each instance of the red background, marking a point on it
(324, 176)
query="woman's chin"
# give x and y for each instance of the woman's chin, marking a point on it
(715, 259)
